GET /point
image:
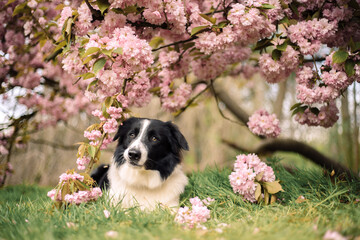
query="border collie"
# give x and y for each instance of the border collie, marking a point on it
(145, 170)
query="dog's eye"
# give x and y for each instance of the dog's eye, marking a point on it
(154, 139)
(132, 135)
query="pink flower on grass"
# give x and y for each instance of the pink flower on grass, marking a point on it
(264, 124)
(333, 235)
(83, 196)
(246, 168)
(75, 176)
(106, 213)
(194, 216)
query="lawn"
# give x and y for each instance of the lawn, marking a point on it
(329, 204)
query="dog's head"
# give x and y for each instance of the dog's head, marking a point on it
(150, 144)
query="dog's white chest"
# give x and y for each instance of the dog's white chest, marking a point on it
(132, 186)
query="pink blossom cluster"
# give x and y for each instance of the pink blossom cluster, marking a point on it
(93, 135)
(278, 70)
(65, 14)
(309, 35)
(84, 20)
(83, 196)
(307, 90)
(246, 168)
(326, 117)
(198, 212)
(115, 112)
(81, 162)
(264, 124)
(110, 125)
(247, 26)
(207, 68)
(72, 176)
(77, 197)
(178, 99)
(51, 194)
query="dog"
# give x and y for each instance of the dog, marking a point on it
(146, 167)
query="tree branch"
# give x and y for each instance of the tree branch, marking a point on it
(60, 146)
(290, 145)
(274, 145)
(175, 43)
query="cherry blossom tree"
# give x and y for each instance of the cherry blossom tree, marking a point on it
(104, 57)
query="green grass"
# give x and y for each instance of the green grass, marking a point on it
(26, 212)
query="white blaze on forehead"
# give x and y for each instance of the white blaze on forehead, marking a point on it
(138, 143)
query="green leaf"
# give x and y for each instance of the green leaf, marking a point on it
(89, 58)
(21, 8)
(118, 50)
(294, 9)
(87, 75)
(93, 83)
(106, 52)
(156, 41)
(340, 56)
(103, 5)
(81, 151)
(99, 64)
(282, 47)
(266, 196)
(222, 24)
(262, 44)
(104, 111)
(130, 9)
(67, 26)
(65, 190)
(273, 187)
(354, 45)
(188, 45)
(299, 109)
(198, 29)
(267, 6)
(91, 151)
(316, 15)
(258, 192)
(10, 2)
(108, 102)
(272, 199)
(259, 176)
(208, 18)
(349, 67)
(90, 51)
(276, 54)
(296, 105)
(155, 89)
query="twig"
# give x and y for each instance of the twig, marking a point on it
(191, 101)
(175, 43)
(59, 146)
(95, 13)
(49, 36)
(92, 162)
(218, 106)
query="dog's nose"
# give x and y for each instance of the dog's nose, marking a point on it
(134, 155)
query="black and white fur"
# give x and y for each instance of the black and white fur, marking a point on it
(145, 170)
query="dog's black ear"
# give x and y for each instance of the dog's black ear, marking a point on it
(180, 141)
(122, 130)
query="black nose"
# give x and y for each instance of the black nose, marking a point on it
(134, 155)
